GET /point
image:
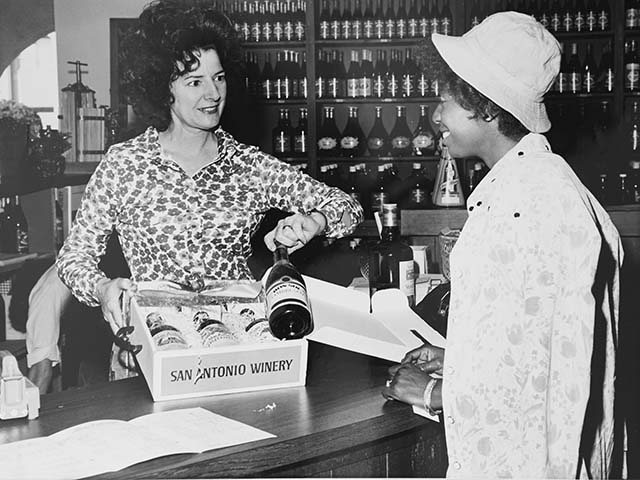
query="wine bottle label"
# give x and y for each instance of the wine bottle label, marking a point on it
(365, 87)
(379, 199)
(631, 18)
(267, 31)
(555, 22)
(567, 22)
(349, 143)
(588, 82)
(423, 85)
(278, 31)
(562, 83)
(245, 31)
(418, 196)
(356, 30)
(413, 28)
(368, 29)
(378, 29)
(375, 143)
(346, 30)
(545, 20)
(392, 85)
(217, 334)
(401, 28)
(299, 31)
(632, 77)
(300, 143)
(378, 86)
(421, 142)
(603, 20)
(579, 22)
(327, 143)
(408, 85)
(335, 30)
(575, 82)
(400, 142)
(282, 143)
(609, 79)
(390, 28)
(475, 21)
(424, 27)
(445, 26)
(324, 30)
(286, 290)
(289, 31)
(434, 24)
(333, 88)
(352, 87)
(268, 89)
(255, 31)
(407, 281)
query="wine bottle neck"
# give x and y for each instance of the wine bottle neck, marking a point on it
(390, 233)
(280, 254)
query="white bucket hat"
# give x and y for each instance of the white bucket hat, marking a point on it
(511, 59)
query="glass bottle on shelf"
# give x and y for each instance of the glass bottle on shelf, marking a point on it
(303, 86)
(353, 76)
(561, 83)
(575, 70)
(366, 74)
(633, 136)
(604, 15)
(634, 180)
(420, 187)
(555, 16)
(269, 31)
(379, 192)
(606, 76)
(409, 75)
(400, 136)
(380, 75)
(392, 78)
(631, 68)
(324, 28)
(389, 21)
(281, 135)
(623, 193)
(321, 75)
(413, 20)
(300, 23)
(378, 22)
(391, 260)
(447, 190)
(341, 74)
(335, 19)
(368, 20)
(353, 183)
(424, 23)
(300, 135)
(434, 19)
(567, 17)
(477, 173)
(401, 20)
(589, 73)
(631, 14)
(356, 23)
(446, 18)
(475, 16)
(423, 139)
(378, 138)
(579, 17)
(352, 141)
(602, 193)
(256, 25)
(346, 22)
(329, 135)
(267, 86)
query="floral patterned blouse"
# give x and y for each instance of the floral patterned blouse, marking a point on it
(184, 228)
(522, 322)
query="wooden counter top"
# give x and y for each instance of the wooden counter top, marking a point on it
(338, 425)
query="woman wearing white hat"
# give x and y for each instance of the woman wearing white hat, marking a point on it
(527, 381)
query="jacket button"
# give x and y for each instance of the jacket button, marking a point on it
(450, 370)
(451, 420)
(457, 465)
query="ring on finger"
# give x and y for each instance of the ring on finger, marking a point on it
(388, 383)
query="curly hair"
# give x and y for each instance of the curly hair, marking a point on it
(466, 95)
(162, 47)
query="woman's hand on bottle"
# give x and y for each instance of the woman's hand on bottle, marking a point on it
(427, 358)
(109, 293)
(296, 230)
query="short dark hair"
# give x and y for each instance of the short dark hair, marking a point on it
(466, 95)
(167, 34)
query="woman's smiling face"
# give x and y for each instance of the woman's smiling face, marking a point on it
(461, 131)
(200, 95)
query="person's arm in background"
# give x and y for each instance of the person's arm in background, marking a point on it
(47, 301)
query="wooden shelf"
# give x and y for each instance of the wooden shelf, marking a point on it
(370, 159)
(370, 42)
(372, 100)
(274, 45)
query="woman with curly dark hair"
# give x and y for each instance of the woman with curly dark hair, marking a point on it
(526, 387)
(184, 196)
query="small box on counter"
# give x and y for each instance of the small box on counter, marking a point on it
(218, 341)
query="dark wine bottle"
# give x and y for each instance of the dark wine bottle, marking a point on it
(400, 134)
(589, 73)
(335, 21)
(606, 77)
(391, 260)
(324, 26)
(409, 75)
(352, 141)
(575, 70)
(424, 138)
(328, 135)
(413, 20)
(378, 138)
(366, 74)
(288, 308)
(356, 20)
(281, 135)
(368, 20)
(267, 82)
(300, 135)
(379, 191)
(353, 76)
(401, 20)
(380, 75)
(419, 189)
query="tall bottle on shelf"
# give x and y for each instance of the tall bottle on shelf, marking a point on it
(267, 83)
(391, 260)
(352, 141)
(409, 75)
(281, 135)
(631, 67)
(424, 138)
(447, 190)
(378, 138)
(400, 136)
(575, 70)
(379, 192)
(589, 71)
(301, 135)
(288, 309)
(606, 75)
(353, 76)
(329, 135)
(419, 189)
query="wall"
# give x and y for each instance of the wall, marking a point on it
(82, 28)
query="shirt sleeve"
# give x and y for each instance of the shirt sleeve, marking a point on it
(78, 259)
(288, 189)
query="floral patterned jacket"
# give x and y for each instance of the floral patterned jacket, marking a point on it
(183, 228)
(534, 286)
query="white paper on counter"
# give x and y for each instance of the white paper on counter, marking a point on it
(104, 446)
(342, 319)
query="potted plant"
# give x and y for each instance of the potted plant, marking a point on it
(46, 152)
(17, 124)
